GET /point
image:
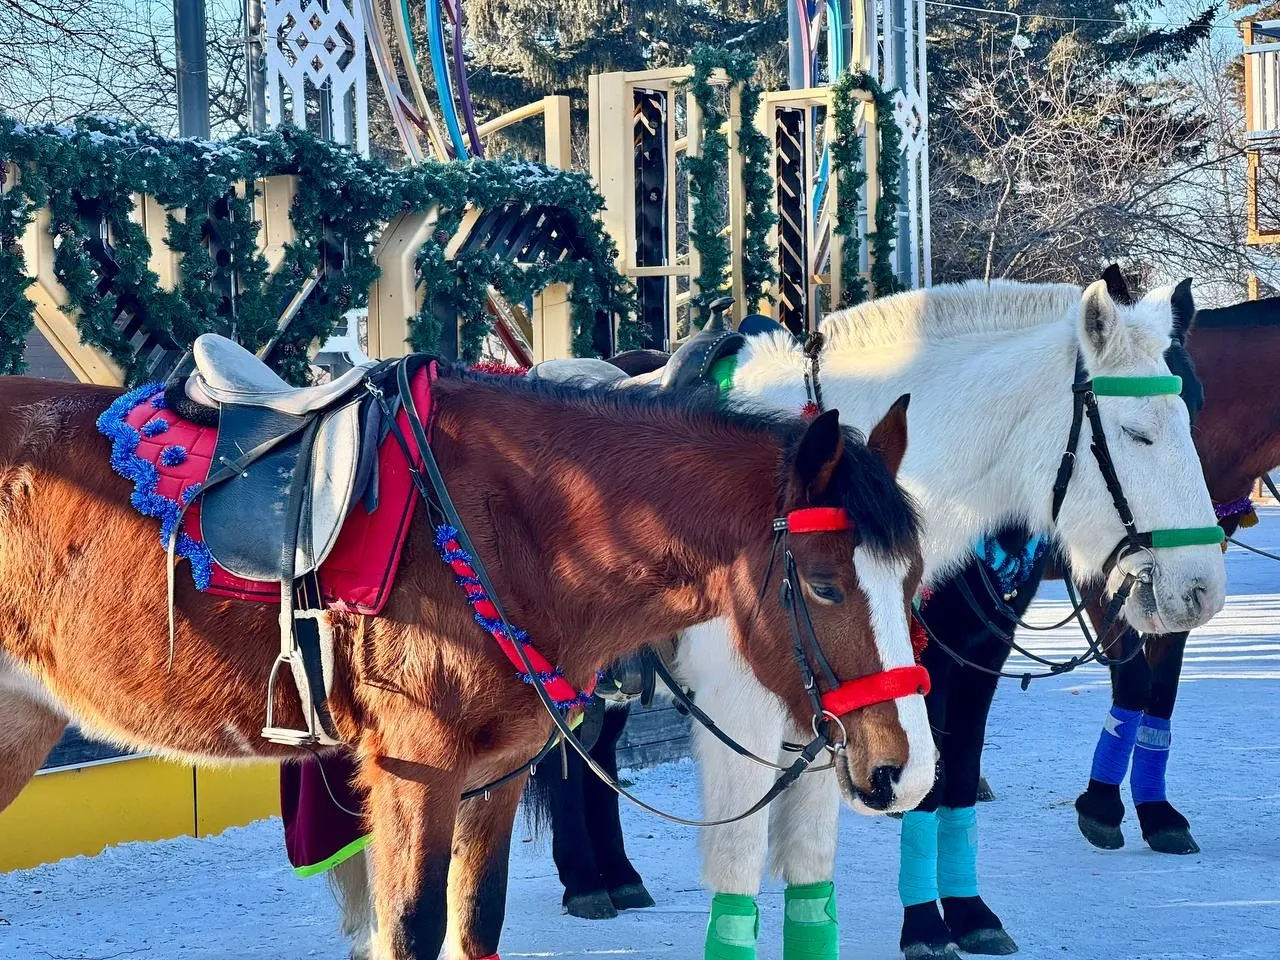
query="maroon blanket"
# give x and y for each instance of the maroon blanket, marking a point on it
(318, 803)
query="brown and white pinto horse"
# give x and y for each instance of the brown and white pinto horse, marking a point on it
(606, 519)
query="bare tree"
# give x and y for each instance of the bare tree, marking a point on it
(1068, 163)
(63, 58)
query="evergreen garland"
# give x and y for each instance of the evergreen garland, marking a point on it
(758, 270)
(339, 204)
(707, 175)
(847, 164)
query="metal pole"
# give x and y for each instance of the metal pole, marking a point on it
(193, 68)
(846, 34)
(256, 64)
(902, 49)
(795, 47)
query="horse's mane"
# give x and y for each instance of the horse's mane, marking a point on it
(883, 515)
(950, 310)
(1250, 313)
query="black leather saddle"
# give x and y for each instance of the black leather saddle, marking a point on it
(691, 364)
(288, 466)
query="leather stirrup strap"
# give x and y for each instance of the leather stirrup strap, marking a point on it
(225, 472)
(306, 660)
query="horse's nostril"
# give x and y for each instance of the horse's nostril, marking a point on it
(1195, 597)
(883, 781)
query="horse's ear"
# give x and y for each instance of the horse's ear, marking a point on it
(1098, 318)
(1117, 286)
(819, 453)
(1183, 305)
(889, 437)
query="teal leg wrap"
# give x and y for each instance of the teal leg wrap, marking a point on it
(958, 852)
(811, 930)
(918, 864)
(733, 928)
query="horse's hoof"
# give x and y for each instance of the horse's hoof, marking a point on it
(1165, 829)
(1100, 811)
(896, 815)
(631, 896)
(993, 942)
(595, 905)
(930, 951)
(925, 935)
(1101, 835)
(985, 793)
(1173, 841)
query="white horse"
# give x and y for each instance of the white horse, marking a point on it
(990, 370)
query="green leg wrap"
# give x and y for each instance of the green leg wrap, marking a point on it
(733, 928)
(810, 930)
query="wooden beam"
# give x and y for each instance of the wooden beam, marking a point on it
(395, 296)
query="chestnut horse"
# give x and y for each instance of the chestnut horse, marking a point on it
(606, 519)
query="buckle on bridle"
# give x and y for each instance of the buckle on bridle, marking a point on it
(826, 716)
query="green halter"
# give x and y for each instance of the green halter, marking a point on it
(1086, 392)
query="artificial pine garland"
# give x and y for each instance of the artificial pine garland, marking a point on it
(708, 172)
(340, 202)
(846, 161)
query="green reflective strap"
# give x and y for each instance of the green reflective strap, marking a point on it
(1188, 537)
(733, 928)
(722, 374)
(1136, 386)
(810, 929)
(343, 855)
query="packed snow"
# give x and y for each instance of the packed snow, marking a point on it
(233, 897)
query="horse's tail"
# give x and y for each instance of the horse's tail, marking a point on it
(538, 792)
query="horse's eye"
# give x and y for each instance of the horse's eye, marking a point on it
(1137, 437)
(826, 592)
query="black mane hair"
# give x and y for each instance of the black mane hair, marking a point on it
(883, 515)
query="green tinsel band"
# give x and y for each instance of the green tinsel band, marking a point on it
(708, 173)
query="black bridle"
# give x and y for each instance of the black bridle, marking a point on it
(1085, 392)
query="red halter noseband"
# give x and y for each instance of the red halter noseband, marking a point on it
(882, 687)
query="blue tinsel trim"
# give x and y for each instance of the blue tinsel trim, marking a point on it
(144, 476)
(153, 427)
(1010, 570)
(173, 455)
(444, 535)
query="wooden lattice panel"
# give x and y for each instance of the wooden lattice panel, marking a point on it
(318, 51)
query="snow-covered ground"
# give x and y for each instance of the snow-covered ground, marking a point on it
(233, 897)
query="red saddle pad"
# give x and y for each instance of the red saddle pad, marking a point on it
(167, 458)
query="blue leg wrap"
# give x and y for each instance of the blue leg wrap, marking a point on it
(918, 865)
(957, 852)
(1150, 759)
(1115, 745)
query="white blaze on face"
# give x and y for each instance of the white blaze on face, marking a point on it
(881, 583)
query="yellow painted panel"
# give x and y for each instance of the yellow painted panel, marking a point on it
(234, 796)
(82, 810)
